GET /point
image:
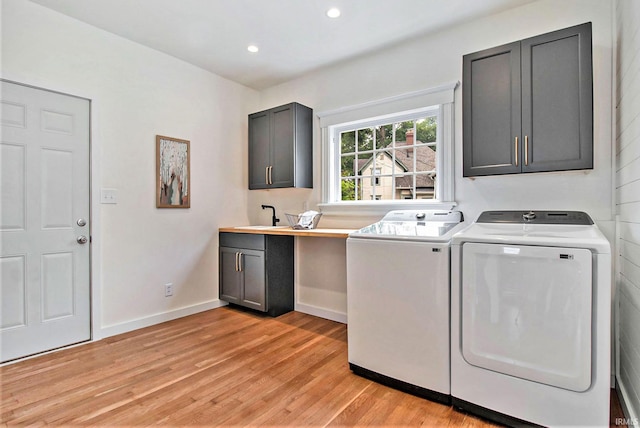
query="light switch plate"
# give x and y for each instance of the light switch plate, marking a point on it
(109, 196)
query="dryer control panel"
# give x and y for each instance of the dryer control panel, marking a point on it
(536, 217)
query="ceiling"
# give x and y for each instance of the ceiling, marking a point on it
(294, 36)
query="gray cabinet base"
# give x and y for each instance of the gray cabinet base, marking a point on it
(243, 283)
(279, 268)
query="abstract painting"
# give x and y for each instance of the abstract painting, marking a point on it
(172, 173)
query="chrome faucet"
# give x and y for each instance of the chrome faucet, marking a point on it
(274, 219)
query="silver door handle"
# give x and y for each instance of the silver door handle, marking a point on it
(82, 239)
(267, 175)
(238, 262)
(81, 222)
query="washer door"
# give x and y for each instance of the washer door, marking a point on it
(526, 312)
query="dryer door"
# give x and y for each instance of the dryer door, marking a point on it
(526, 312)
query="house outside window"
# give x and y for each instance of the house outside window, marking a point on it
(387, 162)
(376, 176)
(392, 160)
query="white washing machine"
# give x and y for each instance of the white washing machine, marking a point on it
(530, 319)
(398, 279)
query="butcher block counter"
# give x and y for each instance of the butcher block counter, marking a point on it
(288, 231)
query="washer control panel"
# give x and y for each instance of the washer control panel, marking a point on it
(536, 217)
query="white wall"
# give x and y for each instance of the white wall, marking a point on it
(434, 60)
(627, 131)
(137, 93)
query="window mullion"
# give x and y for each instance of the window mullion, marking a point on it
(373, 174)
(415, 161)
(356, 163)
(393, 161)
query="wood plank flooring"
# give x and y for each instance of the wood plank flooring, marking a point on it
(224, 367)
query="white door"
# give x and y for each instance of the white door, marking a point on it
(44, 213)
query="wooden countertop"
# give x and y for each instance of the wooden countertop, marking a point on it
(286, 230)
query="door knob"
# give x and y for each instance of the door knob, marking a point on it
(82, 239)
(81, 222)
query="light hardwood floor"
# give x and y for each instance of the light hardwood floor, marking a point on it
(224, 367)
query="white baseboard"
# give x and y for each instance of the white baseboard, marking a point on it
(321, 312)
(128, 326)
(631, 414)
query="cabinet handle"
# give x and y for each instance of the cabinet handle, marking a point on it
(516, 147)
(266, 174)
(271, 174)
(237, 261)
(526, 150)
(240, 261)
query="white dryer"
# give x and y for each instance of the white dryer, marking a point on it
(398, 301)
(530, 319)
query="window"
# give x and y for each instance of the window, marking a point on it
(389, 160)
(390, 153)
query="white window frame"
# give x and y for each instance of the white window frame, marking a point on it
(403, 107)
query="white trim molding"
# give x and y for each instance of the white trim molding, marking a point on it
(321, 312)
(440, 99)
(442, 94)
(136, 324)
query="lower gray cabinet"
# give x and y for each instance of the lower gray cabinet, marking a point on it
(256, 271)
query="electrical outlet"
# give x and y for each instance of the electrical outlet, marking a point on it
(168, 289)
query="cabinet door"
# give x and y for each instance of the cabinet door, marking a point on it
(259, 149)
(557, 100)
(491, 111)
(282, 145)
(252, 265)
(230, 279)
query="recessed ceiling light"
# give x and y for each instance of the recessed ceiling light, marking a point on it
(252, 48)
(334, 12)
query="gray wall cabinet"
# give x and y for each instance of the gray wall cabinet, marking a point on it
(281, 147)
(256, 271)
(528, 105)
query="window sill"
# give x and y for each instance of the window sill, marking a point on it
(363, 208)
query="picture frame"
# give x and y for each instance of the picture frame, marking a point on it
(173, 172)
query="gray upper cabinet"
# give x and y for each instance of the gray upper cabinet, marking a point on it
(528, 105)
(281, 147)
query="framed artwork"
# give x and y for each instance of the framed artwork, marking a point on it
(173, 183)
